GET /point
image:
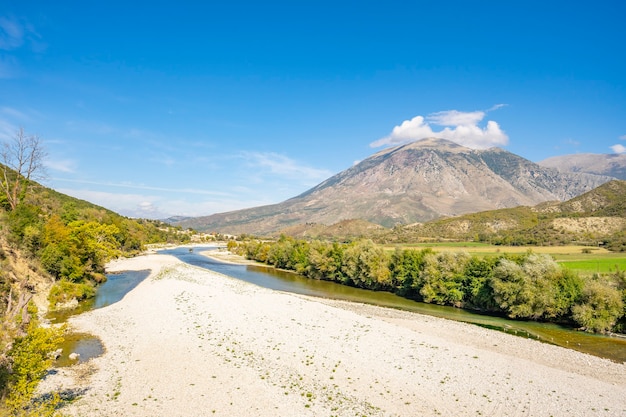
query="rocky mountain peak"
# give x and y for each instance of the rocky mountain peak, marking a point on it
(413, 182)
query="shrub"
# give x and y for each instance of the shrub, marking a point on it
(600, 307)
(29, 359)
(535, 287)
(442, 277)
(64, 291)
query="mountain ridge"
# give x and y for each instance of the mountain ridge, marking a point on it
(414, 182)
(613, 165)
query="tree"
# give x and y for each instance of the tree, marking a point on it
(600, 307)
(405, 267)
(535, 288)
(442, 278)
(366, 265)
(29, 359)
(22, 160)
(477, 290)
(325, 261)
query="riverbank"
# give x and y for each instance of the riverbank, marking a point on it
(187, 341)
(224, 255)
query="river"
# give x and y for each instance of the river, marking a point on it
(118, 285)
(609, 347)
(111, 291)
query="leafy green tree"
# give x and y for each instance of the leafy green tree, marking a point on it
(325, 261)
(600, 307)
(569, 290)
(94, 244)
(279, 253)
(477, 289)
(366, 265)
(531, 288)
(405, 267)
(619, 277)
(442, 278)
(299, 257)
(20, 218)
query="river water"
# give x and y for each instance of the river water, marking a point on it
(111, 291)
(118, 285)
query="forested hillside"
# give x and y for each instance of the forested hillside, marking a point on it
(53, 250)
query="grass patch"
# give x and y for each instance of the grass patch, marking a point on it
(478, 248)
(601, 265)
(585, 260)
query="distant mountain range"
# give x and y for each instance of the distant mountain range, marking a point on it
(613, 165)
(415, 182)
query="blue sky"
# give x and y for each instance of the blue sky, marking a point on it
(192, 108)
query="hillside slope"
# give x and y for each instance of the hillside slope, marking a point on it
(598, 215)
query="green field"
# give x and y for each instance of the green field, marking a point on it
(582, 259)
(601, 264)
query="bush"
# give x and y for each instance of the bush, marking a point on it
(442, 276)
(64, 291)
(29, 359)
(535, 287)
(600, 307)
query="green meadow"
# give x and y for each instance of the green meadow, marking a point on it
(582, 259)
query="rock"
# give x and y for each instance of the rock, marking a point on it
(74, 356)
(57, 353)
(73, 303)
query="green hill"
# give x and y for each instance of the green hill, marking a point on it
(53, 249)
(596, 217)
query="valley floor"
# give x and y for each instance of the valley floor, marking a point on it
(190, 342)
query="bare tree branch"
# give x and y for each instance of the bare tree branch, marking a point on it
(22, 159)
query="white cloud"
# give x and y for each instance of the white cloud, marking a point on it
(460, 127)
(11, 33)
(61, 165)
(281, 165)
(623, 137)
(14, 33)
(619, 148)
(119, 202)
(154, 206)
(456, 118)
(496, 107)
(131, 205)
(147, 208)
(142, 187)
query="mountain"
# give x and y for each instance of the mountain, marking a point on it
(613, 165)
(415, 182)
(175, 219)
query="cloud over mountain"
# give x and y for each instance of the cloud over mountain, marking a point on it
(464, 128)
